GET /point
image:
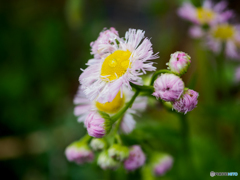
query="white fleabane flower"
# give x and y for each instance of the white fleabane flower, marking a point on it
(209, 13)
(228, 34)
(117, 62)
(84, 106)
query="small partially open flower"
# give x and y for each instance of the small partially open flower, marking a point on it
(136, 158)
(187, 102)
(168, 87)
(106, 37)
(97, 124)
(106, 162)
(98, 144)
(118, 152)
(163, 165)
(179, 62)
(79, 153)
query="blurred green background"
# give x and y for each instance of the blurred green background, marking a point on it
(43, 45)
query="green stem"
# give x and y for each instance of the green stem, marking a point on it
(122, 111)
(184, 129)
(144, 88)
(220, 68)
(86, 138)
(118, 138)
(155, 75)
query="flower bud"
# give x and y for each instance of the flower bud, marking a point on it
(168, 87)
(164, 163)
(98, 144)
(79, 152)
(179, 63)
(106, 162)
(187, 102)
(98, 124)
(118, 152)
(135, 159)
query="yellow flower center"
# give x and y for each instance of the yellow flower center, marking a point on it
(112, 107)
(115, 65)
(205, 15)
(224, 32)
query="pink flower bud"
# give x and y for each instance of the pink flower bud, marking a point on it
(97, 125)
(136, 158)
(164, 164)
(187, 102)
(179, 62)
(168, 87)
(103, 43)
(79, 153)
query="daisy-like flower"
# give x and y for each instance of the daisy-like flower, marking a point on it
(84, 107)
(209, 13)
(225, 34)
(116, 63)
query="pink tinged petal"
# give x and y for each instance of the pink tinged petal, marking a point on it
(231, 50)
(188, 11)
(128, 123)
(81, 109)
(208, 4)
(219, 7)
(196, 32)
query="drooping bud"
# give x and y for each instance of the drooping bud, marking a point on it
(168, 87)
(106, 162)
(118, 152)
(79, 152)
(135, 159)
(164, 163)
(98, 124)
(187, 102)
(98, 144)
(179, 62)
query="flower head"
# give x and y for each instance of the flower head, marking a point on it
(163, 165)
(106, 162)
(123, 61)
(84, 107)
(98, 144)
(179, 62)
(118, 152)
(208, 13)
(98, 124)
(79, 153)
(187, 102)
(136, 158)
(168, 87)
(227, 34)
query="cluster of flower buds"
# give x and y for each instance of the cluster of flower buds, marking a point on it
(170, 87)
